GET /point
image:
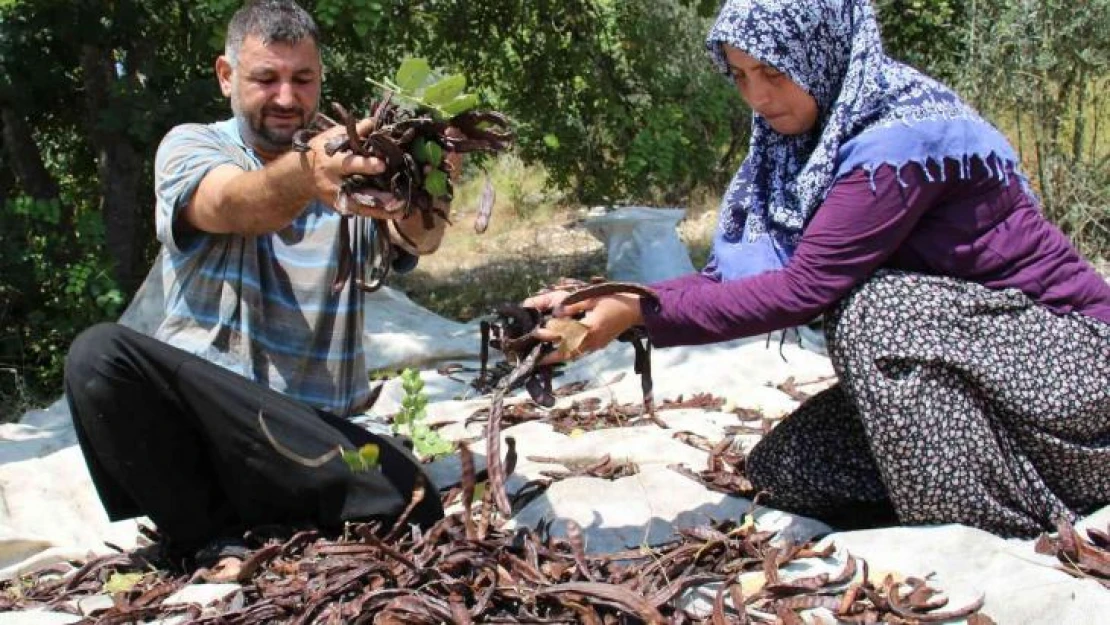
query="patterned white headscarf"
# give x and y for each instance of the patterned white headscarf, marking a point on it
(873, 111)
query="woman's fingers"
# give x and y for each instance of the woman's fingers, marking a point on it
(545, 301)
(574, 309)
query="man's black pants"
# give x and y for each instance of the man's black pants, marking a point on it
(177, 438)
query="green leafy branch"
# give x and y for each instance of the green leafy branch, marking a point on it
(410, 420)
(425, 89)
(442, 97)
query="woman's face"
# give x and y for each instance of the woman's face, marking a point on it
(787, 107)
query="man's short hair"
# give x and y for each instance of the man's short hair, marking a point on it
(282, 21)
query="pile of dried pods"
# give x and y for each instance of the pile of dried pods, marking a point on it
(469, 568)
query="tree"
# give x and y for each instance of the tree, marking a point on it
(87, 89)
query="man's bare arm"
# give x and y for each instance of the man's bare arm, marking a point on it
(230, 200)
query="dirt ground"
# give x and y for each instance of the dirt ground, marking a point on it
(471, 273)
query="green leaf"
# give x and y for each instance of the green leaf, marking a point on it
(436, 183)
(445, 90)
(412, 74)
(420, 150)
(435, 157)
(460, 104)
(370, 454)
(551, 141)
(353, 460)
(364, 459)
(122, 582)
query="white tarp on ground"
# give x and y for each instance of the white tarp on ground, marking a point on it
(49, 511)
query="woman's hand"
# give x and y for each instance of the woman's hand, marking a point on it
(607, 317)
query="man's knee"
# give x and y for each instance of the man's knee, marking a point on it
(92, 348)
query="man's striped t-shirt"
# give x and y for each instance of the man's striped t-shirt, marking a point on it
(262, 306)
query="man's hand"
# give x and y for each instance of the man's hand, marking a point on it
(327, 172)
(409, 233)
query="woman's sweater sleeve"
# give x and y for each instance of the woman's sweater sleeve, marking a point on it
(853, 232)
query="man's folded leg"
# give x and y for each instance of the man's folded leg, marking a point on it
(192, 446)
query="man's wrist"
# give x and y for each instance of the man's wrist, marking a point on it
(411, 235)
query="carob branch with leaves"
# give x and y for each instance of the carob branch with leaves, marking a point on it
(421, 119)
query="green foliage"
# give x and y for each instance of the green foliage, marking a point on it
(615, 99)
(56, 272)
(581, 80)
(122, 582)
(429, 91)
(1042, 70)
(53, 284)
(410, 420)
(928, 34)
(365, 458)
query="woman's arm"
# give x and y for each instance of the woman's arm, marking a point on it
(851, 235)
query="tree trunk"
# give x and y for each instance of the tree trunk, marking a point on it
(23, 156)
(119, 166)
(6, 178)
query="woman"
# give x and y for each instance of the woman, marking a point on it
(971, 341)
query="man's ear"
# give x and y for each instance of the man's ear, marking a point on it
(224, 73)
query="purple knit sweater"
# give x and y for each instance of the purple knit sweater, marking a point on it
(978, 229)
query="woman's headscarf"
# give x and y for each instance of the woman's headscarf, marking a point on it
(872, 111)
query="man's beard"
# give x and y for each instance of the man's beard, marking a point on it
(270, 139)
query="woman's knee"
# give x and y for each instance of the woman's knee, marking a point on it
(871, 318)
(771, 465)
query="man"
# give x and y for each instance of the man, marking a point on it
(168, 425)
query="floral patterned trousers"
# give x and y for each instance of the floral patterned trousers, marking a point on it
(955, 404)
